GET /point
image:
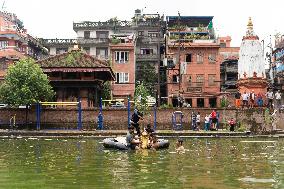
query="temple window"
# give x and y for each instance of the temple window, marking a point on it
(122, 77)
(212, 58)
(121, 56)
(188, 58)
(199, 58)
(211, 79)
(199, 79)
(146, 51)
(175, 78)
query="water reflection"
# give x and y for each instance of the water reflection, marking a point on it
(208, 163)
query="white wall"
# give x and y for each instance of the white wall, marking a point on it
(52, 51)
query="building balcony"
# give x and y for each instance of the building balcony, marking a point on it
(100, 25)
(145, 39)
(58, 42)
(232, 69)
(147, 57)
(93, 41)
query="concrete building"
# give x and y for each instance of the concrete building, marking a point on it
(229, 65)
(278, 63)
(193, 61)
(16, 43)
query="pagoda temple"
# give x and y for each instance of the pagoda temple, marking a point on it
(251, 65)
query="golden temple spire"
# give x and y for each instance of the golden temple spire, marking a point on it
(250, 28)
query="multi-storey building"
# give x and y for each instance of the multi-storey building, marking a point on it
(15, 43)
(133, 49)
(277, 67)
(229, 65)
(194, 67)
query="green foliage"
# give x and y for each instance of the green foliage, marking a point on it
(25, 83)
(224, 102)
(106, 91)
(140, 98)
(166, 106)
(115, 41)
(241, 127)
(148, 76)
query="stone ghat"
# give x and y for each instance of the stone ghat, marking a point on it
(116, 119)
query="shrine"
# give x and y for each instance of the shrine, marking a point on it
(251, 65)
(75, 74)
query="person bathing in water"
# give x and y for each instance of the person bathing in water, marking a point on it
(179, 146)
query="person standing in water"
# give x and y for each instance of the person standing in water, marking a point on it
(136, 116)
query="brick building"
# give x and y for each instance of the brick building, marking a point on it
(16, 43)
(194, 77)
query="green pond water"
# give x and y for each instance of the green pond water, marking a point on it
(84, 163)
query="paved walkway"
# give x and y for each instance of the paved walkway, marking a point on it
(112, 133)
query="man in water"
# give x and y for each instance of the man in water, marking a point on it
(136, 116)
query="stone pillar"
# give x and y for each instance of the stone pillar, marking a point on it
(194, 102)
(206, 103)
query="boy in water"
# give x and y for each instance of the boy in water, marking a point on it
(179, 146)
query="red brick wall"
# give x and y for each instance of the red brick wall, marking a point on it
(117, 119)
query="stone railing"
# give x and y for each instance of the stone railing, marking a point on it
(59, 41)
(93, 40)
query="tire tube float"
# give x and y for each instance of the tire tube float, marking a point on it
(120, 143)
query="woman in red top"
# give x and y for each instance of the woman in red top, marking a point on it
(232, 124)
(214, 119)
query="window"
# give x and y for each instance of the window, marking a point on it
(189, 80)
(199, 80)
(102, 34)
(122, 77)
(175, 78)
(199, 58)
(146, 51)
(212, 58)
(213, 102)
(121, 56)
(61, 50)
(222, 45)
(140, 33)
(87, 50)
(200, 102)
(3, 44)
(87, 34)
(188, 58)
(153, 34)
(102, 53)
(211, 79)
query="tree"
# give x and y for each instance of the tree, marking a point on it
(25, 84)
(141, 97)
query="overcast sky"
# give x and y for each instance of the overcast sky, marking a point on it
(54, 18)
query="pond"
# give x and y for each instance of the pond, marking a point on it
(219, 163)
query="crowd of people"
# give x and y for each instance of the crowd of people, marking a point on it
(249, 99)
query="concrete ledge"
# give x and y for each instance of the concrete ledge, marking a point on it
(113, 133)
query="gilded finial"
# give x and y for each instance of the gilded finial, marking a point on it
(250, 22)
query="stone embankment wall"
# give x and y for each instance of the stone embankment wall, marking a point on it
(117, 119)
